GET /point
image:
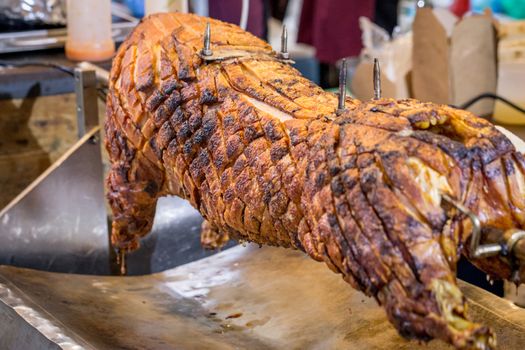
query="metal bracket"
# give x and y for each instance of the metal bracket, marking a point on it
(102, 74)
(59, 222)
(218, 55)
(86, 99)
(223, 55)
(209, 55)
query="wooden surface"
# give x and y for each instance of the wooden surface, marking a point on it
(244, 297)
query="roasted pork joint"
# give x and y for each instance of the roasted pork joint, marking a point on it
(262, 154)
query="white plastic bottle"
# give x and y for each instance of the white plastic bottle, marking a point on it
(406, 12)
(155, 6)
(89, 30)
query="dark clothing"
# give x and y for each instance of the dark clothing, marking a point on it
(386, 14)
(230, 11)
(332, 27)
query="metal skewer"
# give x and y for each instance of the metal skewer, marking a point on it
(342, 89)
(206, 50)
(284, 54)
(377, 80)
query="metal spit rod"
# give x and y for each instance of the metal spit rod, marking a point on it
(513, 247)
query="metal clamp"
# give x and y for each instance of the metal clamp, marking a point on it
(514, 237)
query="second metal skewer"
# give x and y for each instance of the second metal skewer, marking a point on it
(342, 88)
(377, 80)
(284, 54)
(206, 50)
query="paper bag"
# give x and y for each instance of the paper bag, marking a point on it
(473, 67)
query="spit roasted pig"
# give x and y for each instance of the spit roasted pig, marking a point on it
(262, 154)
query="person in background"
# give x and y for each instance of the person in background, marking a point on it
(332, 27)
(386, 14)
(230, 11)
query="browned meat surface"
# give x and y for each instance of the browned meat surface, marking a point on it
(260, 152)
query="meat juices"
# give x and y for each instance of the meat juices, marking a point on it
(260, 152)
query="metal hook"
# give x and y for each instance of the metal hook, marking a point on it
(476, 250)
(284, 54)
(206, 50)
(377, 80)
(342, 88)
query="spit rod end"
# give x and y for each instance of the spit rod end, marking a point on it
(342, 88)
(206, 50)
(284, 54)
(377, 80)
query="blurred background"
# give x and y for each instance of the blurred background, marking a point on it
(470, 54)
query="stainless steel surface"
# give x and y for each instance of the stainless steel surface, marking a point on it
(244, 298)
(59, 222)
(342, 88)
(33, 40)
(66, 229)
(51, 12)
(86, 100)
(174, 240)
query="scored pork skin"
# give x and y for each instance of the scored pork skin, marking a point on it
(260, 152)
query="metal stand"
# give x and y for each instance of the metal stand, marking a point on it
(60, 222)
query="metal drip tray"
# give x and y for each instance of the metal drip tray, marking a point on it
(243, 298)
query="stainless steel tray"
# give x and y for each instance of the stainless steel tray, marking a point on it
(242, 298)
